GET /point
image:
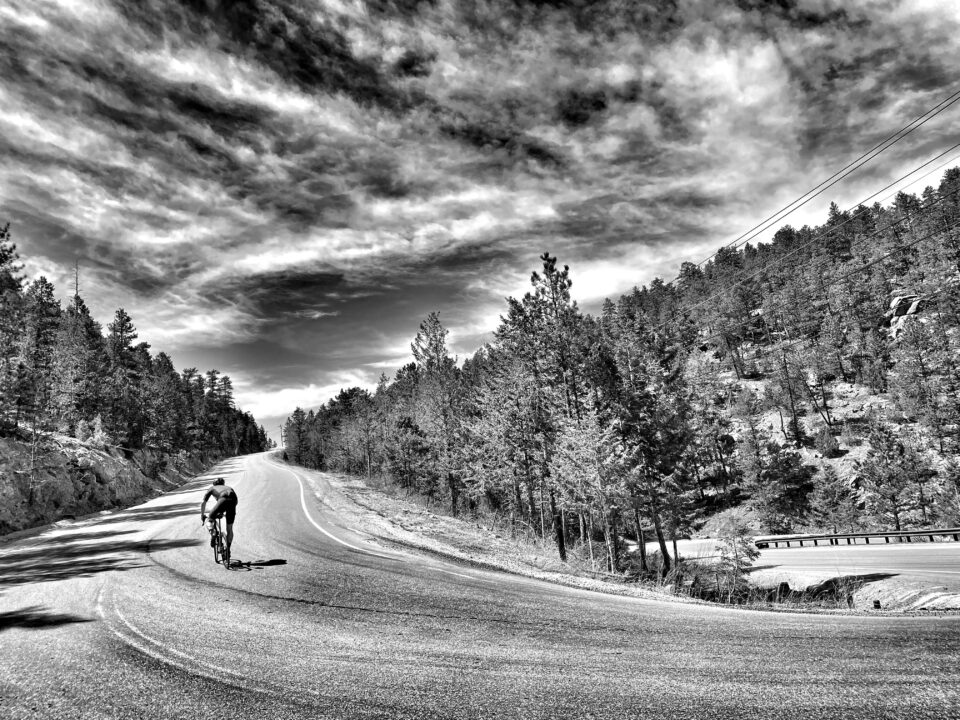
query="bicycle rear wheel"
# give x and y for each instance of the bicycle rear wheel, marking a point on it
(217, 543)
(225, 552)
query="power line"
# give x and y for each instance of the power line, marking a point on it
(872, 263)
(859, 269)
(827, 231)
(841, 174)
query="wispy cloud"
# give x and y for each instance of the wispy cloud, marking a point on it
(316, 178)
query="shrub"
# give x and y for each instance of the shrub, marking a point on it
(83, 430)
(826, 443)
(99, 437)
(737, 553)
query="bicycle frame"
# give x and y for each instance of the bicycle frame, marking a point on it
(221, 553)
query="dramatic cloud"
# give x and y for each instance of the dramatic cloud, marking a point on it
(283, 189)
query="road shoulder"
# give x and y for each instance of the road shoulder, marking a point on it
(395, 521)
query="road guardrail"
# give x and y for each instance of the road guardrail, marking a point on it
(766, 541)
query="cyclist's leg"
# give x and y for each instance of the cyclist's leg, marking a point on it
(230, 513)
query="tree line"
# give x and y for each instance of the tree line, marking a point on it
(60, 373)
(722, 389)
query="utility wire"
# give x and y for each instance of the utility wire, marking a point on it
(847, 170)
(827, 231)
(872, 263)
(854, 271)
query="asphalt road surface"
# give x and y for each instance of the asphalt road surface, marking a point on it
(930, 563)
(129, 617)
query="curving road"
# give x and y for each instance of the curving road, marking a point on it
(930, 563)
(127, 616)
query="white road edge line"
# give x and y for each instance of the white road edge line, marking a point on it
(451, 572)
(199, 668)
(303, 504)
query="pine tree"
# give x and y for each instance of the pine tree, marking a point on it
(79, 365)
(736, 556)
(35, 357)
(11, 323)
(438, 393)
(834, 503)
(295, 435)
(886, 475)
(122, 389)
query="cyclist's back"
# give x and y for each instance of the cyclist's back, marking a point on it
(225, 505)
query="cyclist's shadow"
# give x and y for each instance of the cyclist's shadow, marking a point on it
(248, 565)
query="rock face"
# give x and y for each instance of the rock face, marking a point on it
(70, 479)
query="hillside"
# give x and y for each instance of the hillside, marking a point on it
(91, 420)
(808, 383)
(71, 478)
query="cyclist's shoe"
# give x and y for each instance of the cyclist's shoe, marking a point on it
(213, 543)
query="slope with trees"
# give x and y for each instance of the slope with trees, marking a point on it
(808, 383)
(62, 376)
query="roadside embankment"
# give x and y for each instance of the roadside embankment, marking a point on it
(395, 520)
(65, 478)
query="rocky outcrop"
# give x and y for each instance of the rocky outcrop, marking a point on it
(67, 478)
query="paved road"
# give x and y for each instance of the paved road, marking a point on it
(930, 563)
(128, 617)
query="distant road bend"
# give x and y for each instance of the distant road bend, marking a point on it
(930, 563)
(128, 616)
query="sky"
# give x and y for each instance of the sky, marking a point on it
(284, 189)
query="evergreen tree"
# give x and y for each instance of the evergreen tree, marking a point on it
(886, 476)
(79, 365)
(438, 398)
(834, 504)
(11, 323)
(123, 400)
(41, 315)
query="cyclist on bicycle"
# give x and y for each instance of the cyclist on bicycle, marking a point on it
(226, 505)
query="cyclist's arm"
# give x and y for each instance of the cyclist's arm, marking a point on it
(203, 504)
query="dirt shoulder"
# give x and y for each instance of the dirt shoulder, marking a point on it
(395, 520)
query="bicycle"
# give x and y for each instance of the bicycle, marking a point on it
(221, 551)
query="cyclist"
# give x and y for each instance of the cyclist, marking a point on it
(226, 505)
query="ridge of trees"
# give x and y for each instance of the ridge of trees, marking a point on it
(59, 372)
(683, 399)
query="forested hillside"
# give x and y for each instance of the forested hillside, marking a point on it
(811, 382)
(59, 373)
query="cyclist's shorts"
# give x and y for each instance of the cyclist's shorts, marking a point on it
(226, 506)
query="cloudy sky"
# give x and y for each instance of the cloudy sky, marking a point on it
(283, 189)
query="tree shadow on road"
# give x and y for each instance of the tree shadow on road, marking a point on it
(154, 512)
(35, 618)
(202, 481)
(57, 559)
